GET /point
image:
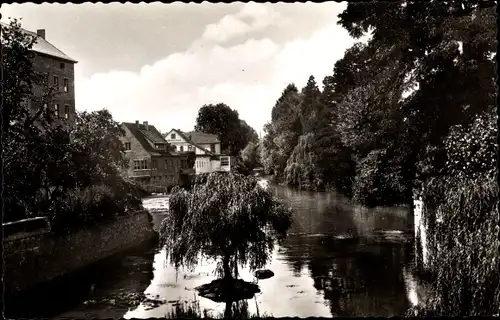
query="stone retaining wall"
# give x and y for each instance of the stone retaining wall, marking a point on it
(36, 257)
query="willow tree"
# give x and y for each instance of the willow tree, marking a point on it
(225, 216)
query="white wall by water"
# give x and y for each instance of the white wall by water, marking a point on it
(420, 228)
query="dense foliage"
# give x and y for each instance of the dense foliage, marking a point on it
(224, 215)
(412, 107)
(461, 211)
(68, 170)
(221, 120)
(380, 121)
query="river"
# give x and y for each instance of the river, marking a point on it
(338, 260)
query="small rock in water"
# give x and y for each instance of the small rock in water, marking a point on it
(264, 274)
(228, 290)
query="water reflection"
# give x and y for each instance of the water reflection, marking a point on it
(339, 260)
(106, 289)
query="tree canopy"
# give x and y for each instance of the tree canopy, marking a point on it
(358, 134)
(227, 216)
(221, 120)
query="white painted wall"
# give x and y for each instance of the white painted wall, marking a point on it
(420, 228)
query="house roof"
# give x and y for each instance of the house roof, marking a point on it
(200, 137)
(188, 139)
(44, 47)
(146, 137)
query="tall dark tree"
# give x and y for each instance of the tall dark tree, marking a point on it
(310, 107)
(221, 120)
(286, 126)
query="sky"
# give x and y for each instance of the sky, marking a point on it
(162, 62)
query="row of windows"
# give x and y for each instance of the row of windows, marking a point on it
(201, 164)
(191, 148)
(224, 161)
(181, 148)
(158, 146)
(140, 165)
(56, 84)
(169, 164)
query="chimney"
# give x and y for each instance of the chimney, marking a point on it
(137, 122)
(41, 33)
(146, 127)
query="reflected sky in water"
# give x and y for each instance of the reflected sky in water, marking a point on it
(338, 260)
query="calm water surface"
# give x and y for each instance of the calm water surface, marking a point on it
(338, 260)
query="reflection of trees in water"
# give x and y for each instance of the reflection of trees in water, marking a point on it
(232, 310)
(358, 282)
(102, 281)
(358, 278)
(295, 252)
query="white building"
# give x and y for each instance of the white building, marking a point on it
(207, 148)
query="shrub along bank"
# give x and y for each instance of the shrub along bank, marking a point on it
(461, 214)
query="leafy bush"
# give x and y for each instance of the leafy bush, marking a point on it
(472, 151)
(462, 217)
(461, 212)
(87, 206)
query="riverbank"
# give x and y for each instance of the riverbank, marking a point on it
(36, 262)
(105, 289)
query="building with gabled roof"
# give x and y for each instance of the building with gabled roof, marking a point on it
(153, 162)
(207, 148)
(59, 70)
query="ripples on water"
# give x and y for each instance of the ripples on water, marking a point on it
(338, 260)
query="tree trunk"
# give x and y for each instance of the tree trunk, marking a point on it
(236, 265)
(228, 314)
(227, 269)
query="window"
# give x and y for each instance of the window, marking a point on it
(56, 110)
(190, 148)
(172, 136)
(160, 146)
(66, 85)
(140, 164)
(154, 164)
(66, 111)
(56, 83)
(212, 147)
(224, 161)
(128, 146)
(182, 148)
(61, 65)
(174, 147)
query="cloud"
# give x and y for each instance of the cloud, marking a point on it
(226, 28)
(249, 77)
(259, 17)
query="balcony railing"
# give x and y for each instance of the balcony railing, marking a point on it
(141, 173)
(187, 171)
